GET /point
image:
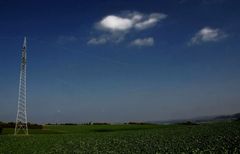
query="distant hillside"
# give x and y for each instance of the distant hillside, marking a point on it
(202, 119)
(228, 117)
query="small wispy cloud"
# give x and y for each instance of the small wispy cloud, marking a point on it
(114, 28)
(96, 41)
(143, 42)
(115, 37)
(150, 21)
(207, 34)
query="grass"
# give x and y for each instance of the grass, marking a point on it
(206, 138)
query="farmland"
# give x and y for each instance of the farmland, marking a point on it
(222, 137)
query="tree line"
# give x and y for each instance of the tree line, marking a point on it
(12, 125)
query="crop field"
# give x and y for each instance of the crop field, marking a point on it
(222, 137)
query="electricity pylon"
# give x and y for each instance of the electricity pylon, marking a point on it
(21, 120)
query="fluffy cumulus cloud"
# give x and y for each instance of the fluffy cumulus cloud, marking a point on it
(130, 20)
(207, 34)
(114, 28)
(143, 42)
(115, 23)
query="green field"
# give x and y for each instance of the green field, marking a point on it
(221, 137)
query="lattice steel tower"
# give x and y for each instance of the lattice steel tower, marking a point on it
(21, 120)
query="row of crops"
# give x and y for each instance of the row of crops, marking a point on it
(205, 138)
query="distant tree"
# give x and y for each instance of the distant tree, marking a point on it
(132, 123)
(0, 130)
(69, 124)
(11, 125)
(88, 123)
(138, 123)
(2, 124)
(34, 126)
(238, 119)
(188, 123)
(100, 123)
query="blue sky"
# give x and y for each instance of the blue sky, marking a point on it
(115, 61)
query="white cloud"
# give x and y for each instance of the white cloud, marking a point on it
(207, 34)
(114, 28)
(130, 20)
(115, 37)
(143, 42)
(116, 23)
(151, 20)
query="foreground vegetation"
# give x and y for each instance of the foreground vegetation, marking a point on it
(207, 138)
